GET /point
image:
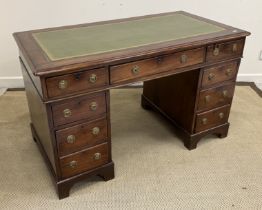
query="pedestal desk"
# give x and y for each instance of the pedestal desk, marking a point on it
(188, 64)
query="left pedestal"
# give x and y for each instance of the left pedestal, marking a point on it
(72, 134)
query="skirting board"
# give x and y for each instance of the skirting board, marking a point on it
(17, 82)
(256, 78)
(11, 82)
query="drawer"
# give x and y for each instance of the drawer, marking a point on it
(219, 73)
(84, 161)
(215, 97)
(225, 50)
(76, 82)
(138, 69)
(81, 136)
(212, 118)
(79, 108)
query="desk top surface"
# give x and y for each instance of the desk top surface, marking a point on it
(59, 47)
(95, 39)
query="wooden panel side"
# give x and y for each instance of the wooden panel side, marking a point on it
(39, 117)
(36, 80)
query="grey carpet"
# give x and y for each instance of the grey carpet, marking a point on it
(153, 169)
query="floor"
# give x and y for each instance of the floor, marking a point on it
(153, 169)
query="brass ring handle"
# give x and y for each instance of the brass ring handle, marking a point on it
(183, 58)
(97, 156)
(211, 76)
(93, 106)
(95, 130)
(207, 98)
(204, 121)
(73, 164)
(135, 69)
(62, 84)
(216, 51)
(71, 139)
(92, 78)
(225, 93)
(221, 115)
(228, 72)
(234, 48)
(67, 113)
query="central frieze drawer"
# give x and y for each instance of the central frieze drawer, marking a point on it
(147, 67)
(80, 108)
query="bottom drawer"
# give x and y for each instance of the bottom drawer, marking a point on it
(209, 119)
(84, 161)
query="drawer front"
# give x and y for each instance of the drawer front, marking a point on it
(77, 82)
(138, 69)
(84, 161)
(81, 136)
(79, 109)
(219, 73)
(225, 50)
(212, 118)
(216, 97)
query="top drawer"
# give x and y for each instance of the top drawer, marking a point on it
(225, 50)
(76, 82)
(138, 69)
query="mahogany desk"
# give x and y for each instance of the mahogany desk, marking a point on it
(188, 64)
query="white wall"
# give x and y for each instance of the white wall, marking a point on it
(31, 14)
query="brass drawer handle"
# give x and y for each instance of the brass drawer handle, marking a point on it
(207, 98)
(62, 84)
(221, 115)
(71, 139)
(73, 164)
(204, 121)
(93, 106)
(183, 58)
(92, 78)
(95, 130)
(97, 156)
(135, 69)
(211, 76)
(225, 93)
(216, 51)
(67, 113)
(234, 48)
(229, 72)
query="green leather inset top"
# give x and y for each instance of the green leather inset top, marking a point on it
(89, 40)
